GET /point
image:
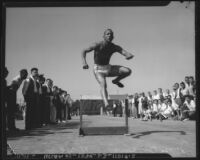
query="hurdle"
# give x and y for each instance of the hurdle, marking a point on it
(105, 130)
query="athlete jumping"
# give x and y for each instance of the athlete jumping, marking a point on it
(102, 53)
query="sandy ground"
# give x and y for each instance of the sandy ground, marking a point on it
(176, 138)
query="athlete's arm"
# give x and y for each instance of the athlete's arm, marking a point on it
(128, 55)
(83, 55)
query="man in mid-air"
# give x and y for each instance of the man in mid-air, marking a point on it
(102, 53)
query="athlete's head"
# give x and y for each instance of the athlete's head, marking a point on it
(108, 35)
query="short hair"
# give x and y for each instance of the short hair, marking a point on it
(48, 79)
(23, 71)
(191, 77)
(55, 87)
(108, 30)
(34, 69)
(41, 76)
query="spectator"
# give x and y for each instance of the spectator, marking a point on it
(167, 110)
(41, 80)
(114, 108)
(30, 92)
(160, 93)
(188, 109)
(183, 91)
(155, 109)
(62, 95)
(55, 106)
(191, 86)
(134, 108)
(156, 95)
(47, 94)
(176, 99)
(187, 81)
(12, 98)
(69, 102)
(130, 105)
(136, 102)
(166, 94)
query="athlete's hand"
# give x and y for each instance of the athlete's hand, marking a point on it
(129, 56)
(85, 66)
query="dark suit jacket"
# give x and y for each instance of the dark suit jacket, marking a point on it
(28, 89)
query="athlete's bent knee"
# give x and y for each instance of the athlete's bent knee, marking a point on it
(129, 71)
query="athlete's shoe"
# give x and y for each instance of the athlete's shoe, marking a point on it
(119, 84)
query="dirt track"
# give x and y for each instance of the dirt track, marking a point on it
(174, 137)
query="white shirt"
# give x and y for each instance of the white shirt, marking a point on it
(163, 107)
(157, 96)
(176, 94)
(155, 108)
(184, 91)
(168, 110)
(191, 105)
(34, 82)
(191, 89)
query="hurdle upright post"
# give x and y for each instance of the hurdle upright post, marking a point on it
(126, 115)
(81, 113)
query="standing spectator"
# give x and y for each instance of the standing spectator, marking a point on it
(130, 106)
(64, 109)
(114, 108)
(183, 91)
(176, 99)
(188, 109)
(191, 86)
(149, 97)
(12, 98)
(156, 95)
(134, 109)
(47, 93)
(55, 107)
(166, 94)
(62, 105)
(187, 81)
(70, 102)
(136, 102)
(160, 93)
(41, 80)
(30, 92)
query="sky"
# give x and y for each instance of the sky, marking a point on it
(162, 40)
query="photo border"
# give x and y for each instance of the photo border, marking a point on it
(77, 3)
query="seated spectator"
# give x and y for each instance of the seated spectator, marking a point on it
(167, 110)
(155, 107)
(189, 109)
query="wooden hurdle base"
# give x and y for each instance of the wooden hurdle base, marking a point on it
(117, 130)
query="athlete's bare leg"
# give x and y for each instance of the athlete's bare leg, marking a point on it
(121, 73)
(103, 85)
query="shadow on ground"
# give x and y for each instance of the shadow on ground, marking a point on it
(139, 134)
(49, 129)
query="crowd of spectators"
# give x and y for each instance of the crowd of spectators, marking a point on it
(178, 104)
(45, 103)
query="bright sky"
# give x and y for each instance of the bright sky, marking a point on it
(161, 38)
